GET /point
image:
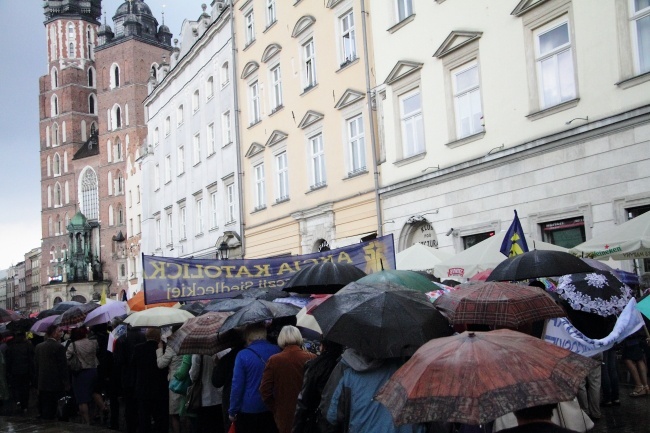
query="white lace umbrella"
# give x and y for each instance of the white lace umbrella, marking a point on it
(594, 292)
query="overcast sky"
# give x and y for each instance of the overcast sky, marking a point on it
(24, 61)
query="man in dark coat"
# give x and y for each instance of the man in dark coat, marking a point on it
(51, 372)
(20, 369)
(122, 355)
(151, 386)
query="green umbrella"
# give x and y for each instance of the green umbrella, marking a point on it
(409, 279)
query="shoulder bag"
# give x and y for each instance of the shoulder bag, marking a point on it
(74, 363)
(194, 391)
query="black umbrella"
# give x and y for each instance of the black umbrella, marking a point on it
(74, 315)
(21, 325)
(225, 305)
(595, 292)
(64, 306)
(195, 308)
(383, 320)
(263, 294)
(258, 311)
(47, 313)
(537, 264)
(323, 278)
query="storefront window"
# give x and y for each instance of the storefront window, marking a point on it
(633, 213)
(471, 240)
(564, 233)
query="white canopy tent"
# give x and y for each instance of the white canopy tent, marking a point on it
(419, 257)
(482, 256)
(627, 241)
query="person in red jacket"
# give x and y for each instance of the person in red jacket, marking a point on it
(282, 378)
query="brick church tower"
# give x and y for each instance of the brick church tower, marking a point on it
(92, 126)
(125, 59)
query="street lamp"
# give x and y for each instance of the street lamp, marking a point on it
(223, 251)
(72, 292)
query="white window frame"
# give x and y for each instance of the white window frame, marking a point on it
(180, 160)
(211, 139)
(259, 186)
(254, 102)
(249, 27)
(170, 228)
(553, 55)
(635, 17)
(195, 101)
(199, 216)
(224, 75)
(214, 210)
(225, 128)
(196, 148)
(209, 88)
(168, 168)
(282, 177)
(230, 202)
(318, 166)
(182, 223)
(276, 87)
(167, 126)
(271, 13)
(356, 144)
(348, 38)
(158, 234)
(410, 120)
(156, 136)
(156, 177)
(179, 115)
(403, 9)
(309, 64)
(464, 94)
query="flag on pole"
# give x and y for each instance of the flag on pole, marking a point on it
(514, 243)
(102, 300)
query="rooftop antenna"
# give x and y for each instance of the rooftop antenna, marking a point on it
(163, 14)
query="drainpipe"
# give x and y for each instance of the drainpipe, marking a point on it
(371, 119)
(240, 173)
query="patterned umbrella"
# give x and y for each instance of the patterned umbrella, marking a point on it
(594, 292)
(75, 315)
(475, 377)
(497, 304)
(199, 335)
(8, 315)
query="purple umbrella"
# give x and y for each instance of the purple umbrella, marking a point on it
(105, 313)
(42, 325)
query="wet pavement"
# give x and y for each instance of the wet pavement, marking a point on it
(632, 416)
(20, 424)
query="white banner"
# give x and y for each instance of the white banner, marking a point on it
(562, 333)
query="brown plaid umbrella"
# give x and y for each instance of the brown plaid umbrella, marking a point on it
(199, 335)
(497, 304)
(75, 315)
(476, 377)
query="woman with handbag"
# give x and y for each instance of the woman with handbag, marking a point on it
(167, 358)
(82, 361)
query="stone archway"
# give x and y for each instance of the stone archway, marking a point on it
(56, 301)
(417, 230)
(79, 298)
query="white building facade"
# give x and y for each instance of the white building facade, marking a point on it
(540, 106)
(190, 192)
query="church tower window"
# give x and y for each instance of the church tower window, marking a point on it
(89, 194)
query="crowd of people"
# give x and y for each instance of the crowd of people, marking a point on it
(266, 381)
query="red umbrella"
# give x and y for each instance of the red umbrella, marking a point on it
(481, 276)
(476, 377)
(497, 304)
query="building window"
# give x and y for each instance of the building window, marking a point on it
(210, 136)
(118, 150)
(115, 76)
(89, 194)
(170, 229)
(167, 126)
(270, 12)
(179, 115)
(209, 88)
(254, 99)
(356, 145)
(404, 9)
(71, 50)
(309, 65)
(276, 88)
(57, 165)
(199, 216)
(260, 190)
(119, 184)
(411, 121)
(225, 128)
(168, 168)
(318, 177)
(55, 135)
(225, 74)
(282, 168)
(195, 101)
(180, 160)
(566, 233)
(640, 21)
(156, 177)
(70, 31)
(471, 240)
(250, 28)
(196, 147)
(91, 104)
(58, 195)
(467, 100)
(348, 39)
(91, 77)
(182, 229)
(230, 201)
(55, 78)
(554, 60)
(214, 204)
(158, 234)
(55, 105)
(156, 136)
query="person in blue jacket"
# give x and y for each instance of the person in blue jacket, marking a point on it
(348, 398)
(247, 410)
